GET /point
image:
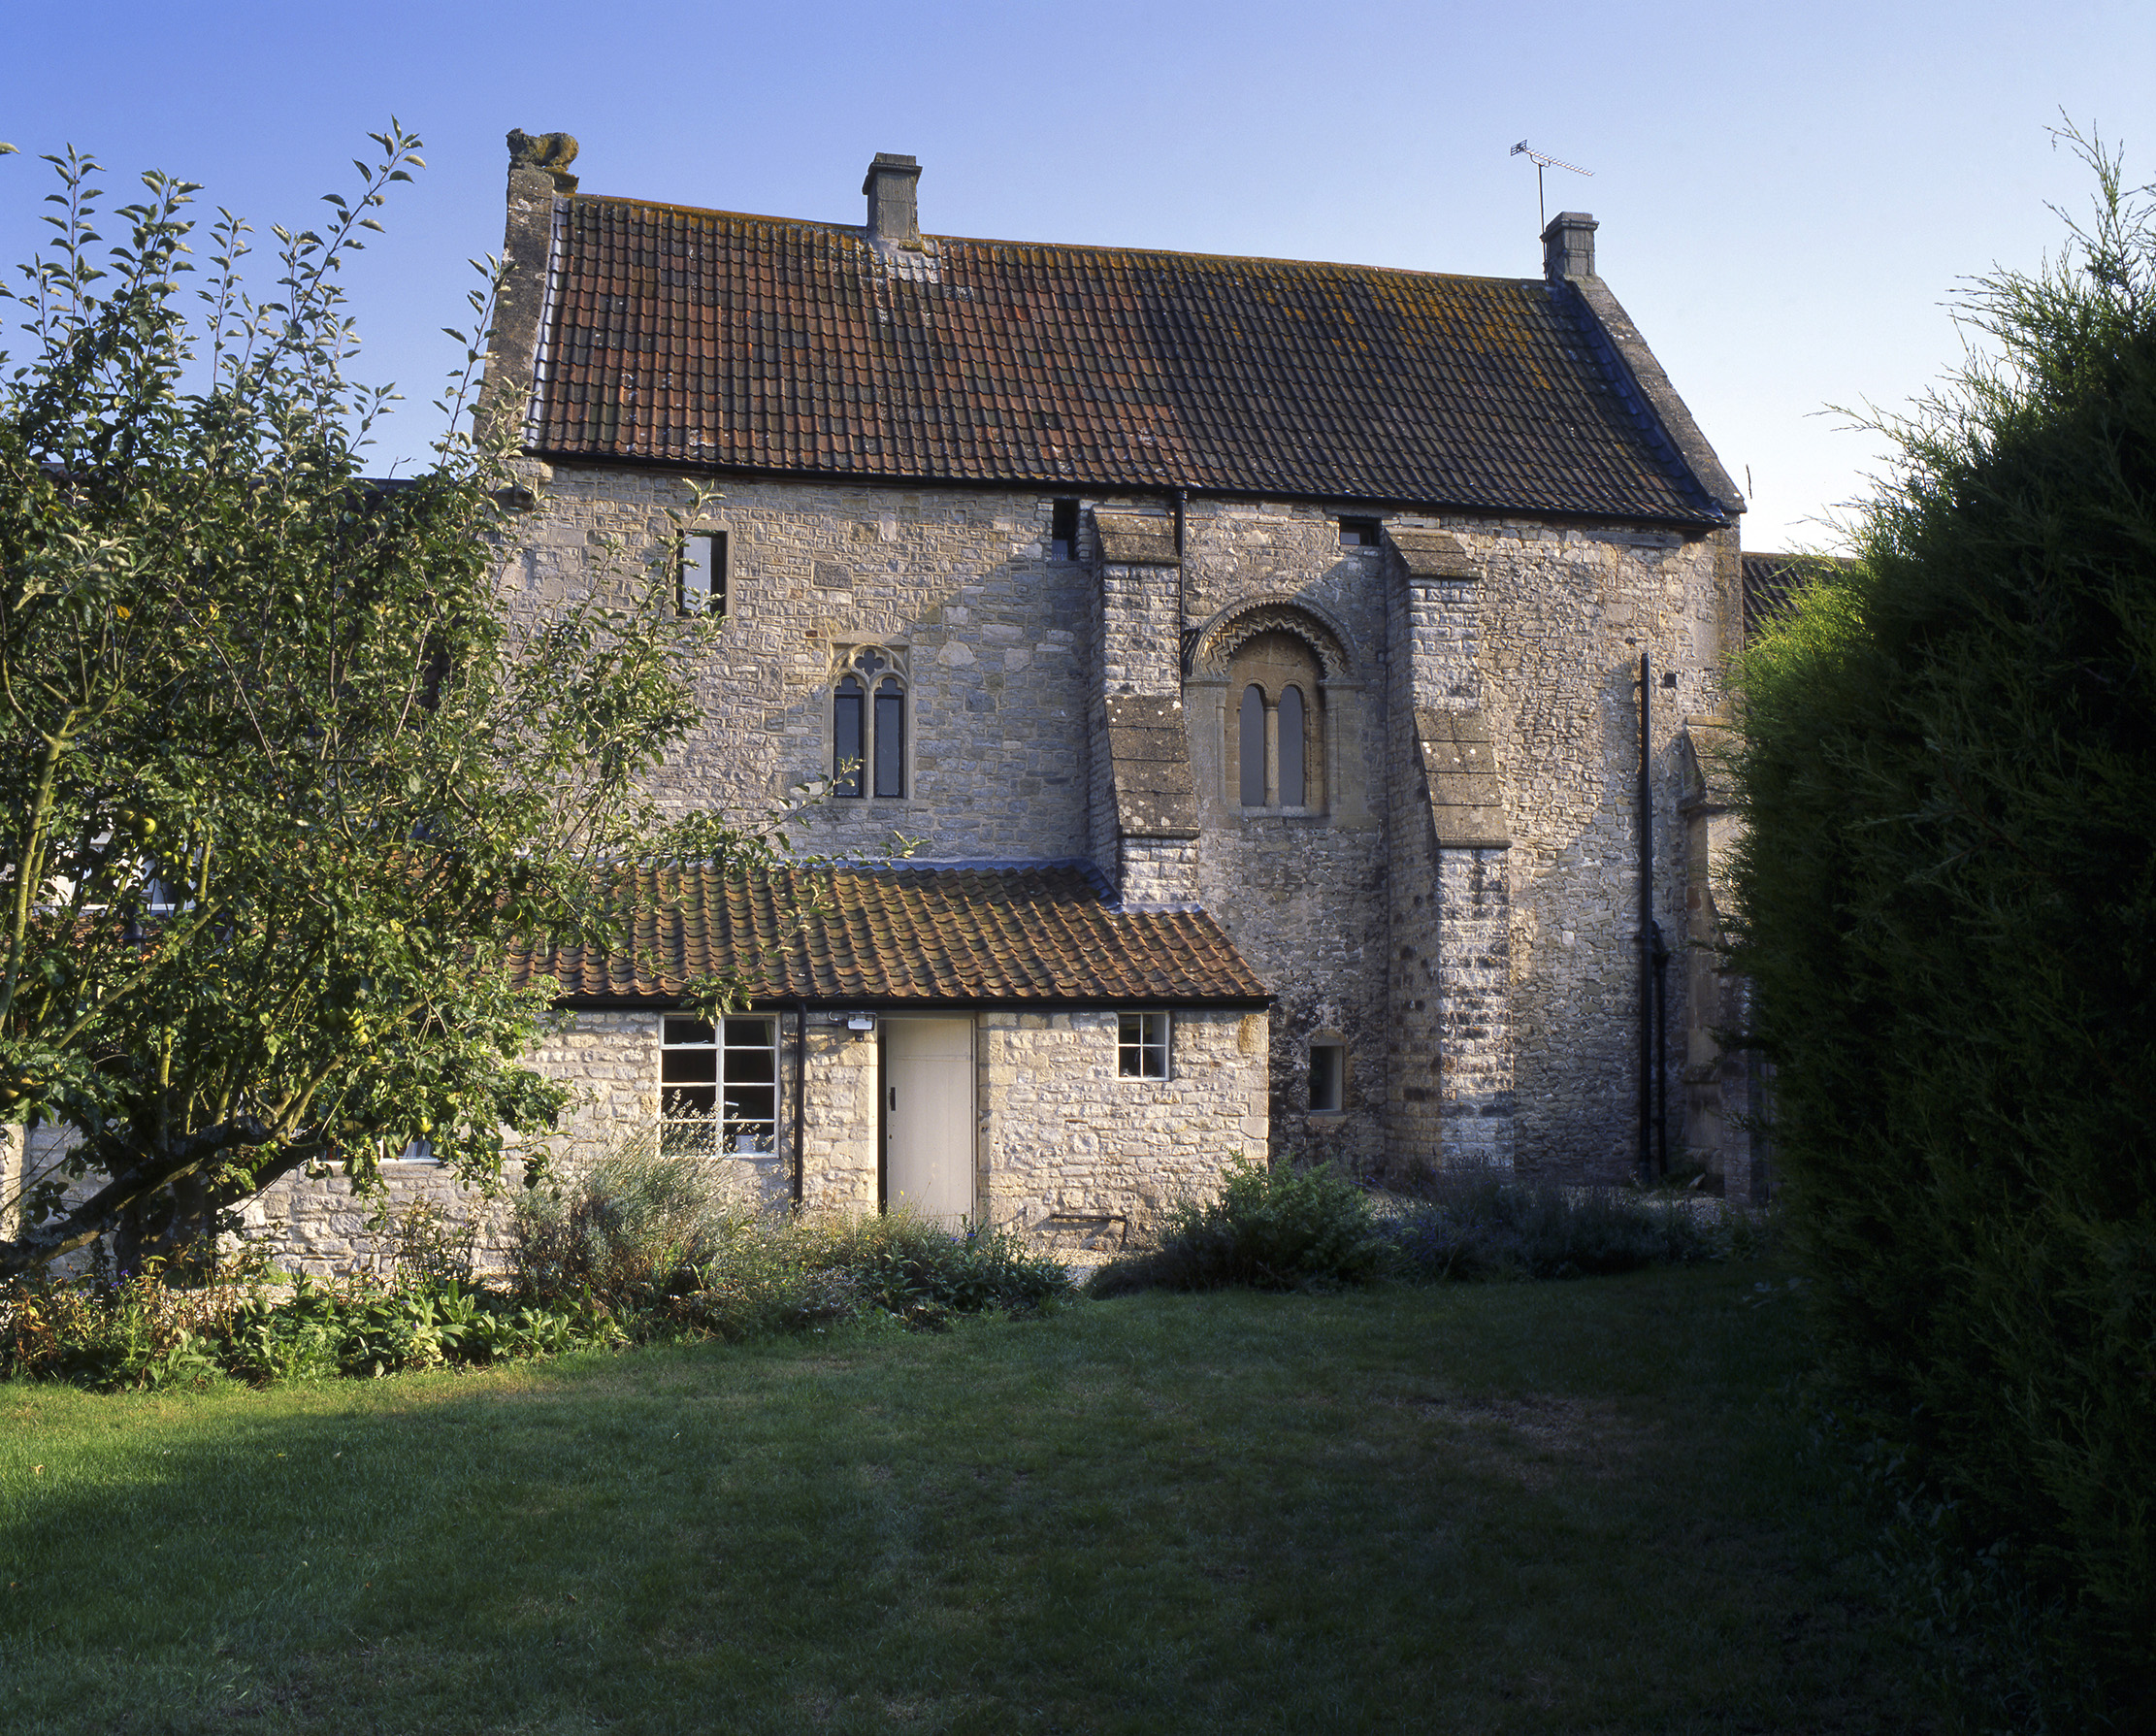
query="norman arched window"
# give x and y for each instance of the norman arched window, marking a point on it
(1276, 751)
(869, 724)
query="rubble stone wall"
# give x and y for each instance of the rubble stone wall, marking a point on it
(1075, 1156)
(988, 630)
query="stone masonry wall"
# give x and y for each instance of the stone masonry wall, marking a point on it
(1007, 676)
(992, 631)
(1450, 1040)
(1565, 614)
(841, 1169)
(1475, 1078)
(1075, 1156)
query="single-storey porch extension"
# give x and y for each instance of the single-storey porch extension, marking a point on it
(994, 1042)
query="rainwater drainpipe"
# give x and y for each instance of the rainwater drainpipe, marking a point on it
(800, 1093)
(1181, 500)
(1653, 1129)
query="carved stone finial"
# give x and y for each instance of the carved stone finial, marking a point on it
(552, 153)
(545, 150)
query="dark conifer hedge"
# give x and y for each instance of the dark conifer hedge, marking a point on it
(1950, 919)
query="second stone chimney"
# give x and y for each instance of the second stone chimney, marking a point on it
(1568, 247)
(894, 218)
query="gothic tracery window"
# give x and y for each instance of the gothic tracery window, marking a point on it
(869, 724)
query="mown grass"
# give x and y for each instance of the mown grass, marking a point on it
(1565, 1507)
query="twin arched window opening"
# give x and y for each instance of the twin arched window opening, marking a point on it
(1274, 749)
(1277, 732)
(868, 727)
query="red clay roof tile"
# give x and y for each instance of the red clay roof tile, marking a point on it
(1033, 932)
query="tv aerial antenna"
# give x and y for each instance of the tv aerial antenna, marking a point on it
(1542, 160)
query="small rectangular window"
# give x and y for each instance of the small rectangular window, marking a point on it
(700, 574)
(1329, 1079)
(1062, 532)
(1360, 533)
(1142, 1045)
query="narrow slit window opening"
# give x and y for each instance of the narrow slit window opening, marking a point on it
(848, 739)
(700, 574)
(1142, 1045)
(1291, 781)
(1329, 1077)
(1250, 747)
(1360, 533)
(890, 739)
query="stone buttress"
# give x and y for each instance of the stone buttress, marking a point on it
(1452, 1060)
(1143, 818)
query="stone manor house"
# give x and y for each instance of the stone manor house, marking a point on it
(1252, 650)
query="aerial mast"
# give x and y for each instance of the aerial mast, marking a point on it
(1542, 160)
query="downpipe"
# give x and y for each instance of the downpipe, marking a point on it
(1651, 1158)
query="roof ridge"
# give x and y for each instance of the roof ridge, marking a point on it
(860, 233)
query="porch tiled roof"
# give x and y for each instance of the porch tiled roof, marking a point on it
(1028, 933)
(1773, 581)
(714, 339)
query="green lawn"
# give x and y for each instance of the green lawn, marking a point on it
(1558, 1507)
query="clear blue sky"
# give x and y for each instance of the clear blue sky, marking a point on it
(1789, 194)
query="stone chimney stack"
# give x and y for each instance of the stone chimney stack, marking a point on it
(1568, 247)
(893, 219)
(538, 181)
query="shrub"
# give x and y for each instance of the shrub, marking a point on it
(921, 1272)
(1950, 920)
(1272, 1226)
(637, 1247)
(1490, 1224)
(140, 1332)
(667, 1244)
(133, 1331)
(628, 1231)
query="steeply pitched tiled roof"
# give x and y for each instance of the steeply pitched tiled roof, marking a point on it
(1037, 933)
(708, 338)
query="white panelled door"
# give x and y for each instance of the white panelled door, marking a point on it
(927, 1116)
